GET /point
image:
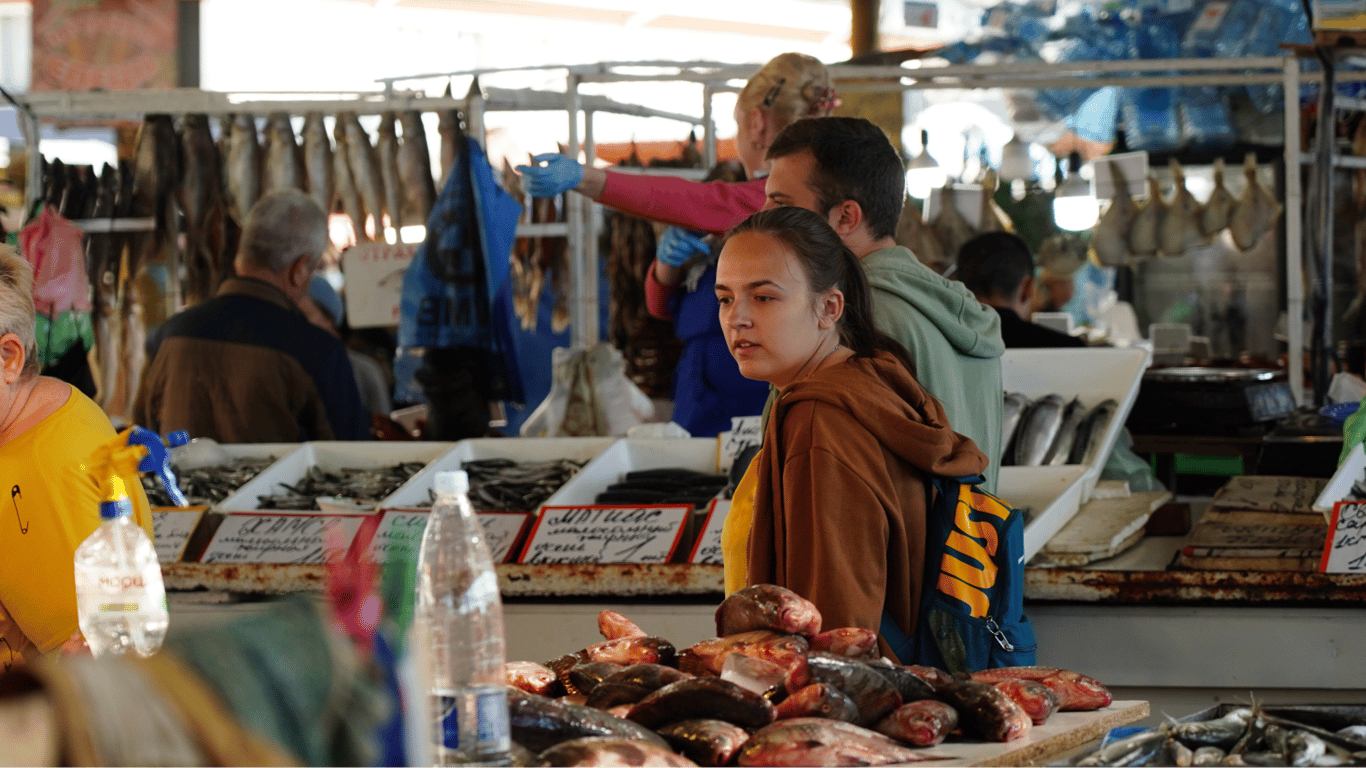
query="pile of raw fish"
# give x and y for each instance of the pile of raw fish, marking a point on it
(773, 688)
(1256, 735)
(504, 485)
(357, 485)
(207, 485)
(1051, 430)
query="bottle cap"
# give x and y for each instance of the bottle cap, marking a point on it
(177, 438)
(157, 461)
(117, 508)
(455, 481)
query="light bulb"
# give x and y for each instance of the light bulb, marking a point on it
(1016, 163)
(923, 173)
(1074, 207)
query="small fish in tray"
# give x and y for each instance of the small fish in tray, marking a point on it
(207, 485)
(504, 485)
(362, 486)
(664, 486)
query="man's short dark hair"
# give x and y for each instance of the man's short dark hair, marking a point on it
(994, 264)
(854, 161)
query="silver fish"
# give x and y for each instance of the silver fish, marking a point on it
(1132, 750)
(365, 169)
(1012, 411)
(1091, 431)
(346, 184)
(1061, 449)
(318, 161)
(283, 167)
(201, 203)
(244, 167)
(1207, 756)
(386, 146)
(415, 168)
(1038, 429)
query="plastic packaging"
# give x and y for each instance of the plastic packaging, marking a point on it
(458, 630)
(1149, 114)
(196, 453)
(120, 596)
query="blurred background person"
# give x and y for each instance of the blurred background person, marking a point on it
(999, 270)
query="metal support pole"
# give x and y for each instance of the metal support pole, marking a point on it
(1294, 232)
(474, 113)
(588, 297)
(708, 129)
(580, 320)
(33, 182)
(1327, 152)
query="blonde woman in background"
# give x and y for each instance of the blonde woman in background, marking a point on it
(50, 502)
(708, 387)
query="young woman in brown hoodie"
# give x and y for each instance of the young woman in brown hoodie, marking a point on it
(834, 505)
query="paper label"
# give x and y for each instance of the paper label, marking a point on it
(744, 432)
(919, 14)
(171, 528)
(707, 551)
(606, 534)
(400, 534)
(1132, 165)
(374, 282)
(281, 538)
(1345, 549)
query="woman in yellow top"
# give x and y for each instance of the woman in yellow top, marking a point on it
(49, 504)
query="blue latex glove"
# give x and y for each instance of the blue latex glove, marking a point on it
(677, 245)
(559, 174)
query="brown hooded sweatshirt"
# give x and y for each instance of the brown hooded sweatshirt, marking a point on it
(842, 492)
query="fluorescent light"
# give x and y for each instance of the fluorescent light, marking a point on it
(1074, 207)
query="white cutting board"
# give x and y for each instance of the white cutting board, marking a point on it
(1102, 525)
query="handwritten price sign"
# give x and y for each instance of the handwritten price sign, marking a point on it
(287, 539)
(707, 551)
(1345, 550)
(606, 534)
(172, 528)
(400, 534)
(374, 282)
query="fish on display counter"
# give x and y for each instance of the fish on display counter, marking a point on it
(1061, 449)
(1038, 429)
(1256, 211)
(358, 485)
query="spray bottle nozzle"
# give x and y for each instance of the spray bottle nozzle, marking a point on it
(157, 460)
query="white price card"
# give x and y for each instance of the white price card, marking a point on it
(1345, 549)
(744, 432)
(171, 528)
(374, 282)
(707, 550)
(606, 534)
(281, 538)
(400, 534)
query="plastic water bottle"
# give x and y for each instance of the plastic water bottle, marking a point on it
(120, 597)
(459, 628)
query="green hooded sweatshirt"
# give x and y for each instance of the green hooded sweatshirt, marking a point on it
(954, 341)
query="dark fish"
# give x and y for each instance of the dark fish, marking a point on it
(1061, 449)
(207, 485)
(201, 203)
(613, 626)
(767, 606)
(54, 182)
(346, 183)
(530, 677)
(318, 163)
(415, 169)
(933, 677)
(817, 741)
(244, 167)
(705, 742)
(631, 684)
(452, 137)
(539, 723)
(584, 677)
(703, 697)
(610, 751)
(283, 167)
(1036, 699)
(503, 485)
(156, 174)
(1038, 427)
(986, 711)
(365, 169)
(854, 642)
(1076, 691)
(1091, 432)
(919, 723)
(819, 700)
(386, 147)
(873, 693)
(360, 485)
(708, 656)
(909, 685)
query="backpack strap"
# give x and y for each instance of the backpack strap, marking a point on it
(902, 646)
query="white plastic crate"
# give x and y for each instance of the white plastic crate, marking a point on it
(1051, 494)
(416, 493)
(629, 454)
(331, 456)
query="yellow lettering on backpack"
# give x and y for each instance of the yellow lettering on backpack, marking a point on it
(977, 541)
(974, 598)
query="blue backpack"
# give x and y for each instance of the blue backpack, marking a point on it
(972, 601)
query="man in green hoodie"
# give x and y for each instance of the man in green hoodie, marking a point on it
(846, 170)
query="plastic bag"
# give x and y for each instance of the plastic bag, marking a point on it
(53, 245)
(590, 396)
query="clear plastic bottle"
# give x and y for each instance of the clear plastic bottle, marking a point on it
(458, 624)
(120, 597)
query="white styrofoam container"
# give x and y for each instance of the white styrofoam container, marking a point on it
(276, 451)
(329, 455)
(1052, 494)
(416, 493)
(628, 454)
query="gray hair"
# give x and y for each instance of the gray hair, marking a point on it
(280, 228)
(16, 306)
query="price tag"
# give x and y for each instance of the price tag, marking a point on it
(374, 282)
(744, 432)
(707, 550)
(400, 534)
(606, 534)
(172, 527)
(1345, 550)
(281, 538)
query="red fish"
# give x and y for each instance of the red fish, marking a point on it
(1076, 691)
(920, 723)
(530, 677)
(854, 642)
(614, 626)
(707, 656)
(1036, 699)
(985, 711)
(767, 606)
(817, 741)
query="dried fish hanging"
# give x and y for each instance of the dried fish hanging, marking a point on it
(534, 259)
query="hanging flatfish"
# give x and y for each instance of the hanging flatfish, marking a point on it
(1061, 449)
(1143, 233)
(1218, 208)
(346, 184)
(992, 218)
(1256, 211)
(318, 163)
(1038, 429)
(949, 225)
(1091, 431)
(1180, 228)
(283, 167)
(913, 233)
(415, 168)
(386, 146)
(1110, 237)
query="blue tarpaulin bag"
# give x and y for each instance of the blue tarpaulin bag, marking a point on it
(972, 601)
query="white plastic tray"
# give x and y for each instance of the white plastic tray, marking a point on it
(330, 456)
(628, 454)
(1052, 494)
(416, 493)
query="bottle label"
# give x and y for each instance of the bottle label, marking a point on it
(492, 729)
